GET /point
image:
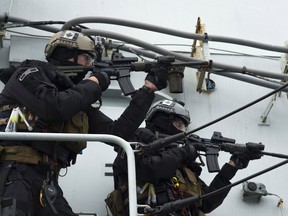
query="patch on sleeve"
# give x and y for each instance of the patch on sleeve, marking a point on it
(32, 78)
(27, 72)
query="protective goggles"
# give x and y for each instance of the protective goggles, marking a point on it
(86, 57)
(179, 124)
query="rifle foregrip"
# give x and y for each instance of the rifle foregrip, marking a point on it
(233, 147)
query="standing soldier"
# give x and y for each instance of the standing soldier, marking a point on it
(50, 101)
(170, 173)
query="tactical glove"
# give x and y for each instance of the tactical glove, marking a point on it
(103, 78)
(158, 76)
(192, 153)
(240, 160)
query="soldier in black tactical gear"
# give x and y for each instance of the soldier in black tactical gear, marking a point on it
(46, 100)
(170, 173)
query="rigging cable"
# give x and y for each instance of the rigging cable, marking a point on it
(160, 143)
(200, 37)
(163, 51)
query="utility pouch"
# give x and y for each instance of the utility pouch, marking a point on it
(115, 203)
(78, 125)
(190, 186)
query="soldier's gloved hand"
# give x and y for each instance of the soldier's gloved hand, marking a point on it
(240, 160)
(102, 77)
(192, 153)
(158, 76)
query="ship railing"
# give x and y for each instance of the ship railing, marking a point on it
(102, 138)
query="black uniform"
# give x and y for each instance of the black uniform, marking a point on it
(160, 167)
(53, 98)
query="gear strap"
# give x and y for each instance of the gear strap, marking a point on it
(23, 154)
(8, 207)
(4, 171)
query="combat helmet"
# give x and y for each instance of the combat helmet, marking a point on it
(72, 40)
(163, 112)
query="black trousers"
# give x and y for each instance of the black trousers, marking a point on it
(23, 184)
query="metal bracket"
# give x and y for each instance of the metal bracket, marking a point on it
(2, 35)
(201, 51)
(2, 31)
(264, 119)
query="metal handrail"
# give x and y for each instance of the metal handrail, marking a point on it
(88, 137)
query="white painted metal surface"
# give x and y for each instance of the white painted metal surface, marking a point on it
(256, 20)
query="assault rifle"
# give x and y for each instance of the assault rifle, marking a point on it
(217, 143)
(119, 68)
(211, 147)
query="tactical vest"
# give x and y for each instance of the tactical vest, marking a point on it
(184, 184)
(78, 124)
(189, 186)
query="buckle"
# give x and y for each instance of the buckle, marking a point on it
(44, 158)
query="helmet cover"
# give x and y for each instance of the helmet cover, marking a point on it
(169, 107)
(71, 40)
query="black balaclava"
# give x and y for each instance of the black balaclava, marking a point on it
(60, 57)
(162, 122)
